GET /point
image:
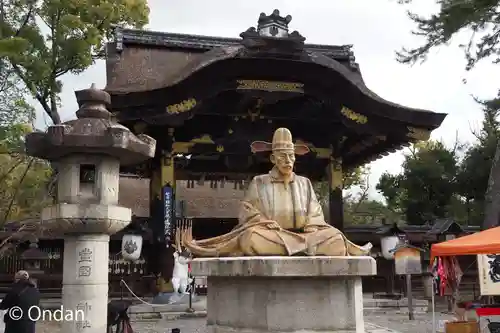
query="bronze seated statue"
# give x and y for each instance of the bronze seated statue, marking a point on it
(280, 214)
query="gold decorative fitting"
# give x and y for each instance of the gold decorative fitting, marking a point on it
(181, 147)
(418, 133)
(354, 116)
(220, 149)
(181, 107)
(271, 86)
(205, 138)
(185, 147)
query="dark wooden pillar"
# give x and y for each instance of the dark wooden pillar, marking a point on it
(335, 181)
(162, 219)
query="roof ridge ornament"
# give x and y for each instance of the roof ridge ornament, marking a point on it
(273, 25)
(272, 31)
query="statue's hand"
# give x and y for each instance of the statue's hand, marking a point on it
(273, 225)
(310, 229)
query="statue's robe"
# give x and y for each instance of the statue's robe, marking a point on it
(294, 207)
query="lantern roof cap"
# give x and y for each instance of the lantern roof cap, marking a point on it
(93, 132)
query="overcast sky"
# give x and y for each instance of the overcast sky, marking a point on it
(377, 28)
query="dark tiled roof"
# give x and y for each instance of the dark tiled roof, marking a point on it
(191, 42)
(391, 229)
(443, 226)
(141, 60)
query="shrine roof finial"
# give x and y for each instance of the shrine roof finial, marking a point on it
(273, 25)
(273, 29)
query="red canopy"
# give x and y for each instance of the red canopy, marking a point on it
(484, 242)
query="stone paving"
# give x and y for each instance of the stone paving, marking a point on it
(388, 323)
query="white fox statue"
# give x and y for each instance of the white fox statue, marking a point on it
(180, 276)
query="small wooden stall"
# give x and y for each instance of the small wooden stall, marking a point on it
(407, 262)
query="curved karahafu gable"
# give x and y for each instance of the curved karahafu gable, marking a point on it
(221, 69)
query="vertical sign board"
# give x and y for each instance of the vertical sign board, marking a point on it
(407, 261)
(168, 212)
(489, 273)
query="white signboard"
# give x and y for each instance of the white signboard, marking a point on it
(488, 266)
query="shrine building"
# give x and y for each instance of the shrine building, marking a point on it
(206, 99)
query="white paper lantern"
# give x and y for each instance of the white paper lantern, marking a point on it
(131, 247)
(388, 244)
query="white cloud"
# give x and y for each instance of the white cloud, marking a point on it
(377, 28)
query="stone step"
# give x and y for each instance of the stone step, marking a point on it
(155, 316)
(392, 303)
(372, 328)
(416, 310)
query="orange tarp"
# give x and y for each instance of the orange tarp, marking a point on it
(484, 242)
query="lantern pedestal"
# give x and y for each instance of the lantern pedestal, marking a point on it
(86, 260)
(85, 282)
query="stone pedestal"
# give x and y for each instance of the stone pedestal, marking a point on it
(85, 282)
(285, 294)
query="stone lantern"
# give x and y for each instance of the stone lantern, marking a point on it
(87, 153)
(390, 237)
(32, 259)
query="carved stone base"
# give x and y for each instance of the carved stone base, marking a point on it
(285, 294)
